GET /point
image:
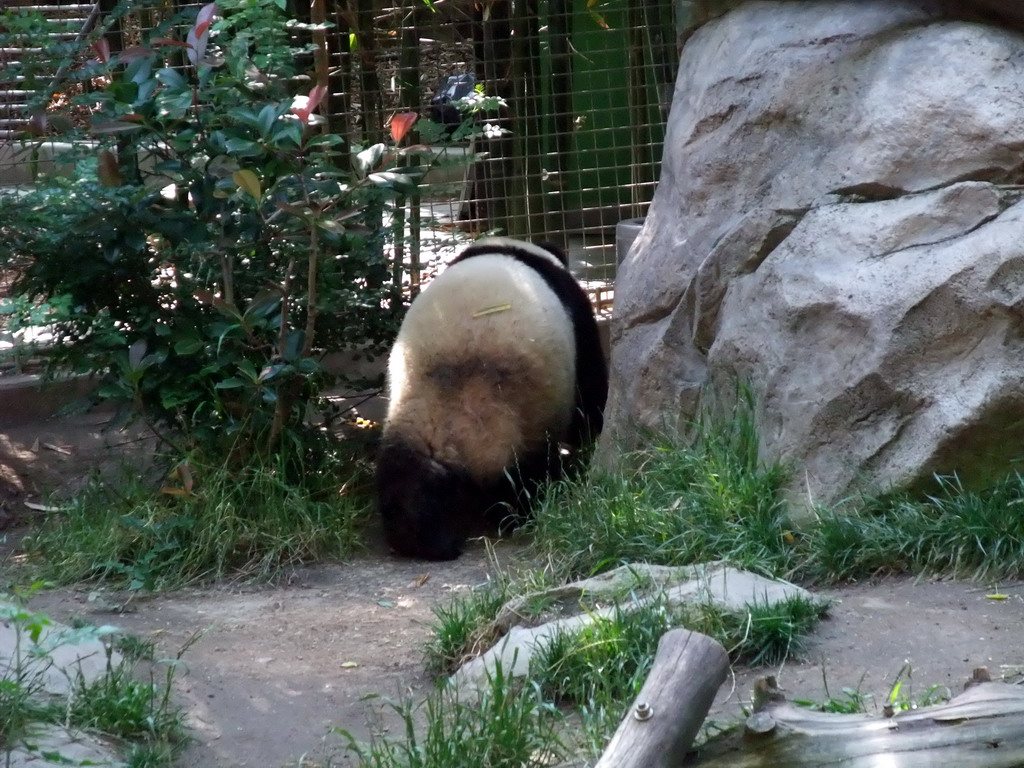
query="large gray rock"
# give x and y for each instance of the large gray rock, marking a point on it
(835, 223)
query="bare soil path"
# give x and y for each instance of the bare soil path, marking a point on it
(276, 667)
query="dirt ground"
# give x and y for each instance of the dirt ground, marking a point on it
(275, 668)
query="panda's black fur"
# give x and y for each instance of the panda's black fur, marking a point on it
(497, 362)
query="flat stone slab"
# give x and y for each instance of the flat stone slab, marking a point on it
(55, 660)
(51, 664)
(626, 588)
(30, 397)
(54, 745)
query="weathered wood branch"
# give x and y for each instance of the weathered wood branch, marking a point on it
(659, 728)
(980, 728)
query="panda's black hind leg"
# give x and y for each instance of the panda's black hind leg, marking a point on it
(515, 496)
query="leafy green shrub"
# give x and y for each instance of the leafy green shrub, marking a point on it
(216, 242)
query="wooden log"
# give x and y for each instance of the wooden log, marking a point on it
(983, 727)
(659, 728)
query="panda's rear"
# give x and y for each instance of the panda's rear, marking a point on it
(483, 386)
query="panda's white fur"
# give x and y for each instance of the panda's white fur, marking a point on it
(482, 377)
(488, 326)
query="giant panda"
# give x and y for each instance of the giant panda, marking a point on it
(496, 363)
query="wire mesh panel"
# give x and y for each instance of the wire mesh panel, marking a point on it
(574, 149)
(35, 42)
(44, 47)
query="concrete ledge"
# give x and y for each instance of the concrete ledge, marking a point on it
(26, 397)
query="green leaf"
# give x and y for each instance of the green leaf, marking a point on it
(307, 366)
(145, 92)
(287, 132)
(268, 115)
(264, 302)
(293, 344)
(171, 78)
(246, 115)
(221, 166)
(270, 371)
(328, 139)
(124, 91)
(174, 104)
(174, 399)
(139, 69)
(136, 353)
(187, 347)
(114, 390)
(246, 367)
(242, 147)
(230, 383)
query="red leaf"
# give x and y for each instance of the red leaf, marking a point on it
(400, 125)
(316, 96)
(135, 52)
(199, 35)
(312, 101)
(102, 48)
(205, 18)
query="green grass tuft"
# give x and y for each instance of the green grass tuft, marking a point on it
(763, 634)
(121, 705)
(250, 523)
(954, 531)
(506, 726)
(464, 627)
(677, 502)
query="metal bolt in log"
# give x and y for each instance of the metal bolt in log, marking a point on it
(642, 711)
(687, 672)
